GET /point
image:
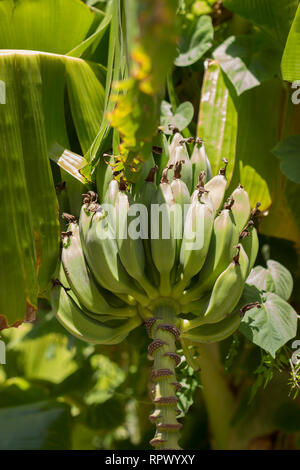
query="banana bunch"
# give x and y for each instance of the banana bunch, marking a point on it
(171, 251)
(191, 248)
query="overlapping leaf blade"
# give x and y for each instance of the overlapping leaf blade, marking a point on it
(18, 283)
(34, 128)
(217, 121)
(248, 60)
(47, 25)
(290, 64)
(272, 16)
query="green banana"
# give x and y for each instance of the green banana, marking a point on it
(211, 333)
(111, 193)
(177, 138)
(216, 187)
(218, 256)
(200, 162)
(85, 328)
(241, 208)
(131, 249)
(101, 251)
(181, 198)
(180, 154)
(250, 242)
(227, 290)
(196, 239)
(163, 244)
(145, 197)
(197, 307)
(88, 208)
(81, 281)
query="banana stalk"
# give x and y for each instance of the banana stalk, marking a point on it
(162, 330)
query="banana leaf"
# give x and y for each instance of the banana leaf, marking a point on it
(290, 64)
(33, 127)
(217, 120)
(273, 16)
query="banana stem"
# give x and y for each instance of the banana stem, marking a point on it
(219, 399)
(165, 284)
(164, 333)
(150, 290)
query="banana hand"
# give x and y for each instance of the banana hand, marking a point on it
(85, 328)
(211, 333)
(227, 290)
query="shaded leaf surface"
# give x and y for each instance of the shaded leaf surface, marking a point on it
(274, 17)
(288, 152)
(196, 40)
(217, 120)
(290, 64)
(39, 426)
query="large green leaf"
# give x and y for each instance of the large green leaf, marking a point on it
(248, 60)
(33, 127)
(290, 64)
(273, 16)
(196, 39)
(18, 285)
(88, 46)
(37, 167)
(288, 152)
(86, 94)
(40, 426)
(271, 325)
(45, 25)
(258, 114)
(284, 215)
(217, 121)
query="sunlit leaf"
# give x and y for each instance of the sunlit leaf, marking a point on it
(258, 114)
(217, 120)
(271, 325)
(44, 25)
(248, 60)
(275, 278)
(86, 94)
(47, 358)
(290, 64)
(18, 282)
